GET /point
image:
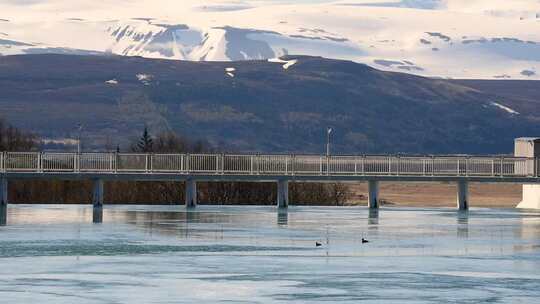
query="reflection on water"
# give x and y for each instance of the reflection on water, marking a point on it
(373, 219)
(161, 254)
(463, 224)
(3, 215)
(282, 217)
(97, 215)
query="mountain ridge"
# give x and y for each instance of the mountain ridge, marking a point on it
(258, 106)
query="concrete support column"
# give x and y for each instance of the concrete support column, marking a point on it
(531, 197)
(373, 194)
(463, 195)
(3, 191)
(530, 147)
(283, 194)
(191, 193)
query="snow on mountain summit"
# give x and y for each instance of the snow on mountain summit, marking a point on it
(442, 38)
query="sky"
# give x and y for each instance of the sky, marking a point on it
(22, 8)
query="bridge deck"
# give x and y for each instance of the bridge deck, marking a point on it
(118, 166)
(271, 168)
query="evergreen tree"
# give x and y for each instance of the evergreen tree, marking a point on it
(145, 144)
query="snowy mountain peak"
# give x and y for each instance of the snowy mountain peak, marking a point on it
(442, 38)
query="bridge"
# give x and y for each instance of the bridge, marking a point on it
(281, 169)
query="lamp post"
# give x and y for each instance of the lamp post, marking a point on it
(329, 131)
(79, 131)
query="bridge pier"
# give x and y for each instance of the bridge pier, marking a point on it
(191, 194)
(531, 197)
(3, 191)
(529, 147)
(373, 194)
(283, 194)
(463, 195)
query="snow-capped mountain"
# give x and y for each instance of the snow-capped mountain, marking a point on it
(452, 38)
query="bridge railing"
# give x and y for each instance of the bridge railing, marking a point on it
(237, 164)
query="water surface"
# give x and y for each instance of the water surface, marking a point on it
(165, 254)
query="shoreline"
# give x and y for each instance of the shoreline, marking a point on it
(441, 194)
(425, 195)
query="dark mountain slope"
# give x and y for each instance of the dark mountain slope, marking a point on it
(262, 108)
(522, 95)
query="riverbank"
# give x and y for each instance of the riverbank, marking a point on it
(440, 194)
(410, 194)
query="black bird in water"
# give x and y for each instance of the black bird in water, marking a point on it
(317, 244)
(364, 241)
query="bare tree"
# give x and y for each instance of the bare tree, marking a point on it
(13, 139)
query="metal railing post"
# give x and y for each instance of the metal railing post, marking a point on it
(115, 162)
(146, 163)
(222, 164)
(39, 162)
(111, 164)
(328, 165)
(502, 164)
(293, 165)
(182, 160)
(364, 165)
(257, 164)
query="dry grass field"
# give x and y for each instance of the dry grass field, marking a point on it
(440, 194)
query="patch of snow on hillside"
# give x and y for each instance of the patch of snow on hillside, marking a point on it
(59, 141)
(112, 82)
(286, 63)
(230, 72)
(505, 108)
(145, 78)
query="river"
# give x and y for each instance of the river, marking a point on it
(247, 254)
